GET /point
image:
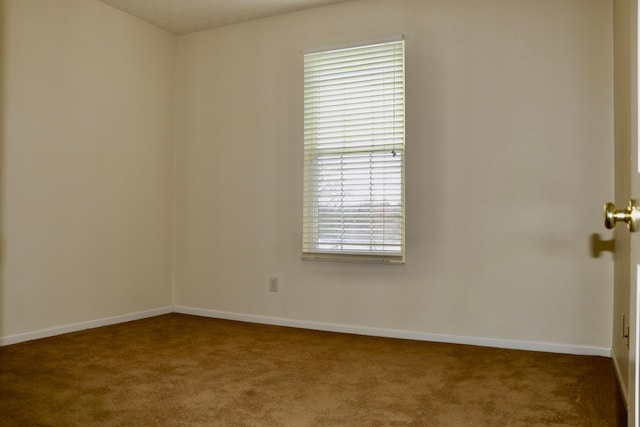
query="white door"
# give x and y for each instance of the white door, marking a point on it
(632, 411)
(627, 187)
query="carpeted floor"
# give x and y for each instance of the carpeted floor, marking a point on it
(178, 370)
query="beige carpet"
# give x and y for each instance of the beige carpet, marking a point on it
(178, 370)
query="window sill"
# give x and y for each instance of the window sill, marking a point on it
(360, 258)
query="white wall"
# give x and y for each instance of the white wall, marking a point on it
(509, 159)
(86, 115)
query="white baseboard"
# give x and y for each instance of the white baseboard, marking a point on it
(330, 327)
(623, 390)
(49, 332)
(398, 333)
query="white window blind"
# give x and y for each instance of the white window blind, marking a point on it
(354, 153)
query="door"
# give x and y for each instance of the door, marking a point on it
(627, 187)
(634, 273)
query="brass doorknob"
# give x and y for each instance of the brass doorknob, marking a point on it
(631, 215)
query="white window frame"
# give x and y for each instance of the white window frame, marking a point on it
(354, 153)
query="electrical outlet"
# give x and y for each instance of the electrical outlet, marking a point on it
(273, 284)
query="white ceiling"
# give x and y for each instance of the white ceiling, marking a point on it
(187, 16)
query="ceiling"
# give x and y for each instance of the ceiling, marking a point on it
(187, 16)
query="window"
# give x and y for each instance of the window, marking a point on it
(354, 154)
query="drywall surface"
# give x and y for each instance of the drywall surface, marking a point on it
(87, 164)
(509, 159)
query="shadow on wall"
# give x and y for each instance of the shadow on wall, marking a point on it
(597, 246)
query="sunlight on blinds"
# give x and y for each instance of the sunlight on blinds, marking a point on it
(354, 153)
